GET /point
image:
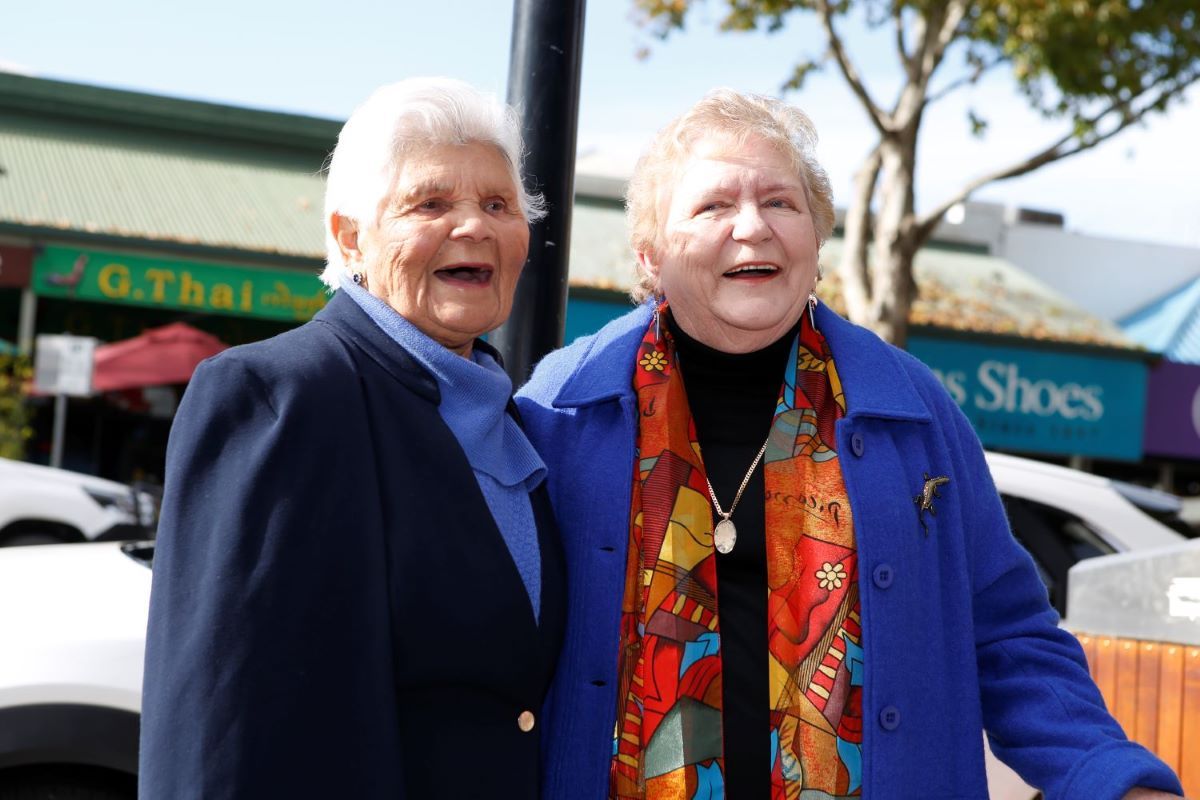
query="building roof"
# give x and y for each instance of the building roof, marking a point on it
(1170, 325)
(958, 288)
(116, 164)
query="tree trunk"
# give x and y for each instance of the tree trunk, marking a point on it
(856, 284)
(878, 281)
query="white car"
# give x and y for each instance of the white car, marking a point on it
(44, 505)
(75, 616)
(72, 635)
(1063, 516)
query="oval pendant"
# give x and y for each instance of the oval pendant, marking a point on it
(724, 536)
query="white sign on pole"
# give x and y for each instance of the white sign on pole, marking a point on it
(63, 364)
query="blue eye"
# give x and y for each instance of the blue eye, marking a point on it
(495, 205)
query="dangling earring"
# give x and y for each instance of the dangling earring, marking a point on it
(812, 298)
(658, 301)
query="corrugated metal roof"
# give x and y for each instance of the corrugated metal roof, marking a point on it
(104, 179)
(958, 290)
(1170, 325)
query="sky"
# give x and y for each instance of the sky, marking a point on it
(322, 59)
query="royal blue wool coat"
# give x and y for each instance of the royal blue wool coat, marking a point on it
(334, 612)
(957, 632)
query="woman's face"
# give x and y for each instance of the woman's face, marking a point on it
(737, 255)
(449, 244)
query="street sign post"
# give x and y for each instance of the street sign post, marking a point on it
(62, 366)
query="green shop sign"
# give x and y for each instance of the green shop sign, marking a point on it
(187, 285)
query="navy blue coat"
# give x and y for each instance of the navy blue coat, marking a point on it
(334, 611)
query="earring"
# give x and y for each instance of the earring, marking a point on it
(658, 318)
(812, 306)
(358, 278)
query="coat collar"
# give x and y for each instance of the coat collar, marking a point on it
(351, 323)
(874, 380)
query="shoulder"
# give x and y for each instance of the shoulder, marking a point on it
(879, 376)
(599, 360)
(311, 356)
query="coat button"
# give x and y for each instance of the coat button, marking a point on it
(526, 721)
(857, 444)
(883, 576)
(889, 718)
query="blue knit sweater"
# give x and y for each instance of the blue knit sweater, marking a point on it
(474, 400)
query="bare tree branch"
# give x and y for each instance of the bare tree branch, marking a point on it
(856, 278)
(901, 46)
(1058, 150)
(966, 80)
(934, 49)
(878, 118)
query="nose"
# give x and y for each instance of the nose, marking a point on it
(749, 225)
(470, 223)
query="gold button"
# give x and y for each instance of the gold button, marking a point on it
(525, 721)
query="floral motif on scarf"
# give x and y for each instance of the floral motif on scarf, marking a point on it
(667, 740)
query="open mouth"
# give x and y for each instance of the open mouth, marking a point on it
(751, 271)
(470, 274)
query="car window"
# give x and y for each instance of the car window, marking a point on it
(1056, 539)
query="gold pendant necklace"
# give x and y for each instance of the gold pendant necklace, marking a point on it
(725, 534)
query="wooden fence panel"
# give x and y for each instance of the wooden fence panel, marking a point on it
(1105, 672)
(1189, 744)
(1149, 665)
(1125, 709)
(1170, 705)
(1153, 691)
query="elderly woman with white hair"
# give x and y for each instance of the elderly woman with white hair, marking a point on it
(859, 612)
(358, 583)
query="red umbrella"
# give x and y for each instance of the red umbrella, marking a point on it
(158, 356)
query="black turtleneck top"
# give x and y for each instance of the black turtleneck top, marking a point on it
(732, 398)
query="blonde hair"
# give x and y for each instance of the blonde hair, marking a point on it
(739, 116)
(401, 120)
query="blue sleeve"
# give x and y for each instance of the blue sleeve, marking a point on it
(268, 669)
(1043, 713)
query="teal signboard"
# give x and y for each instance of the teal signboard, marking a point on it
(1036, 399)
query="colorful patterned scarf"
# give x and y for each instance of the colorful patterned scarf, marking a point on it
(667, 742)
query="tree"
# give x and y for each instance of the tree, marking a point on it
(1094, 66)
(15, 375)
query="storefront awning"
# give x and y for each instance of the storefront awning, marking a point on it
(157, 357)
(104, 162)
(1170, 325)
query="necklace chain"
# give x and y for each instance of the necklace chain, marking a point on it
(716, 504)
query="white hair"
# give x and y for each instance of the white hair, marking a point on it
(402, 119)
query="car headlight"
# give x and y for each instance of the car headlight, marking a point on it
(147, 505)
(122, 501)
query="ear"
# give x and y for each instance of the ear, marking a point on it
(345, 232)
(647, 263)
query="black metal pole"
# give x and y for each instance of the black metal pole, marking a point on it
(543, 82)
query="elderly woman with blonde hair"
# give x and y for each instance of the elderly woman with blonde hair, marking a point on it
(358, 583)
(758, 606)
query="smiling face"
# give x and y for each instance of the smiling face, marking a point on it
(737, 255)
(449, 243)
